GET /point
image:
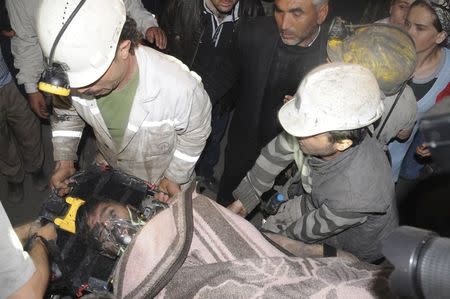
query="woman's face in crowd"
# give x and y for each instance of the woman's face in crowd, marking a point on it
(399, 10)
(419, 23)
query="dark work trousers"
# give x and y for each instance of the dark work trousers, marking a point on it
(21, 147)
(211, 153)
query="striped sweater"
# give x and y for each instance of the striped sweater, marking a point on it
(349, 201)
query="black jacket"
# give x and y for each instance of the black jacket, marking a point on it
(185, 22)
(189, 30)
(257, 43)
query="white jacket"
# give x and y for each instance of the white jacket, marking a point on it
(168, 125)
(25, 46)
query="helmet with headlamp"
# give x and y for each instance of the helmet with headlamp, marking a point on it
(79, 39)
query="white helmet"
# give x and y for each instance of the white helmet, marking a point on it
(88, 46)
(333, 97)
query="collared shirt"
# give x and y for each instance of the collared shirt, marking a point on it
(217, 23)
(315, 37)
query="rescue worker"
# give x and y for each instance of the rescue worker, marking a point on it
(28, 56)
(150, 115)
(348, 192)
(390, 54)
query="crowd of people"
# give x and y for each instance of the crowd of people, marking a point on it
(326, 108)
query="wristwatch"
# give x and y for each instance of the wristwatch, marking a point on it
(31, 241)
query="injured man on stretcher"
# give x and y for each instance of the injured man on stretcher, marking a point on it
(109, 226)
(193, 247)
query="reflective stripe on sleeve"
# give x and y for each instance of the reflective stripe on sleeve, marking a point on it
(185, 157)
(73, 134)
(132, 128)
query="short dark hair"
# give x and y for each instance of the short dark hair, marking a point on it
(84, 212)
(131, 33)
(356, 135)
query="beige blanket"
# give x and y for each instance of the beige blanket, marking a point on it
(229, 258)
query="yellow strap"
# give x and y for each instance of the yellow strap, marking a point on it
(68, 223)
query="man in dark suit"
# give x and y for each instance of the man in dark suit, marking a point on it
(274, 54)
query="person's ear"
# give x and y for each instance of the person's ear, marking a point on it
(441, 37)
(123, 50)
(322, 13)
(342, 145)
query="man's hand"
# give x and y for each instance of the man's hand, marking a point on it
(238, 208)
(423, 151)
(8, 33)
(168, 189)
(404, 134)
(36, 285)
(60, 178)
(156, 35)
(38, 104)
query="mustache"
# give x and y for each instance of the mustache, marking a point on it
(287, 32)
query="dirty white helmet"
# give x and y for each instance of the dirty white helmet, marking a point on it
(333, 97)
(386, 50)
(88, 46)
